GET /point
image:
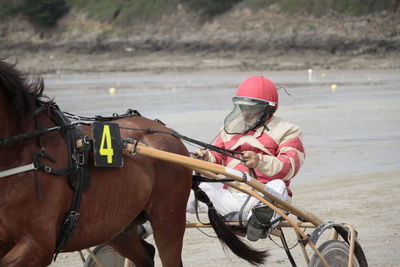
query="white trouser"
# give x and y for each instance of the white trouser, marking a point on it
(226, 201)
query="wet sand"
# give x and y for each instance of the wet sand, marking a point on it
(369, 202)
(351, 127)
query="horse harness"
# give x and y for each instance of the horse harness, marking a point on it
(77, 172)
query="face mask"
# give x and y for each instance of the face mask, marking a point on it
(247, 115)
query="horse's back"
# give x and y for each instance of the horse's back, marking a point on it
(172, 181)
(143, 188)
(152, 133)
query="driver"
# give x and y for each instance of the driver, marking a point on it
(271, 147)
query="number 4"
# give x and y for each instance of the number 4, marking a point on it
(106, 150)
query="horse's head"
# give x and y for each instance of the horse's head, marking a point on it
(18, 94)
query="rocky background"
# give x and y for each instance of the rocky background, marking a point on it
(188, 34)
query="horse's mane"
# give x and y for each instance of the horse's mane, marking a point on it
(22, 92)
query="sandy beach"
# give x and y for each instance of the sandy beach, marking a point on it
(352, 166)
(369, 202)
(338, 77)
(357, 200)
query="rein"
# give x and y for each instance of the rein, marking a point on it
(78, 157)
(87, 121)
(130, 112)
(15, 138)
(223, 151)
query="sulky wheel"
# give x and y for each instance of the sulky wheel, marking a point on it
(336, 254)
(107, 256)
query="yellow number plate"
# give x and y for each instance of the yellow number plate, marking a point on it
(107, 145)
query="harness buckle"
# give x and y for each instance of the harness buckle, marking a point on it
(71, 221)
(86, 140)
(47, 169)
(80, 159)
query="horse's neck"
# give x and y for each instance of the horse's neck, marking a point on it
(7, 117)
(11, 126)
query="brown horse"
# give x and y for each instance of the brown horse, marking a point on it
(33, 207)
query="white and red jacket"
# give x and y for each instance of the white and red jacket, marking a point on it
(279, 148)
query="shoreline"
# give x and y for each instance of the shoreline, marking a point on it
(55, 61)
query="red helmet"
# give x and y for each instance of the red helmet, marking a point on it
(259, 88)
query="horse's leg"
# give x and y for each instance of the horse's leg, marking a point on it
(27, 252)
(130, 245)
(168, 235)
(168, 214)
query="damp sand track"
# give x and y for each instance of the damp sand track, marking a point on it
(351, 127)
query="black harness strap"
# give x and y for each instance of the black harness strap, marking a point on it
(77, 173)
(199, 178)
(42, 153)
(286, 247)
(7, 141)
(72, 218)
(115, 116)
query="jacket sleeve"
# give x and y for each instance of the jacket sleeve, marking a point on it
(289, 157)
(215, 157)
